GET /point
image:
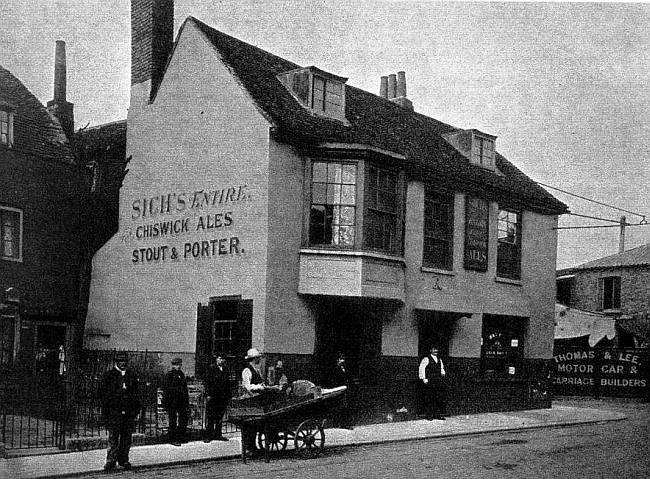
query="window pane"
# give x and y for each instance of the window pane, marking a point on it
(347, 215)
(334, 172)
(319, 191)
(349, 174)
(333, 194)
(319, 172)
(346, 235)
(348, 194)
(319, 94)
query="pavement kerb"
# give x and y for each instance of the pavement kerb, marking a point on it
(457, 426)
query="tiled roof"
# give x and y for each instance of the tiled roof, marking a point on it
(36, 132)
(376, 122)
(639, 256)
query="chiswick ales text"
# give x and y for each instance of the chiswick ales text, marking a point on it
(152, 222)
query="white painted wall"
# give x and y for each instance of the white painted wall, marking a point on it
(201, 133)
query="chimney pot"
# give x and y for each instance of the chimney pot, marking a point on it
(58, 106)
(383, 87)
(392, 85)
(401, 84)
(60, 72)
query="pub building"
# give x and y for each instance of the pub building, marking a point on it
(271, 205)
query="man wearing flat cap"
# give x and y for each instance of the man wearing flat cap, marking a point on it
(120, 407)
(218, 392)
(176, 401)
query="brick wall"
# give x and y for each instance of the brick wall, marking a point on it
(635, 289)
(152, 30)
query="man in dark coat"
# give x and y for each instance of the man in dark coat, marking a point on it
(120, 406)
(340, 376)
(218, 393)
(431, 374)
(176, 401)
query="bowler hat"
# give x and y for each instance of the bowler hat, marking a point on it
(121, 356)
(253, 353)
(177, 361)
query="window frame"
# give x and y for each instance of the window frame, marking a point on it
(481, 155)
(9, 122)
(373, 211)
(435, 197)
(509, 253)
(18, 257)
(613, 296)
(322, 93)
(501, 356)
(352, 226)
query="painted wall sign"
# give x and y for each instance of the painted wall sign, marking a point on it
(603, 372)
(476, 234)
(151, 224)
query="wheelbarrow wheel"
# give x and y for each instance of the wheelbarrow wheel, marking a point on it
(277, 441)
(309, 439)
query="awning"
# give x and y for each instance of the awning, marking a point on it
(574, 323)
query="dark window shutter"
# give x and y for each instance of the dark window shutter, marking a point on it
(203, 338)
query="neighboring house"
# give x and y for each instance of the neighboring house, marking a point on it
(274, 206)
(617, 285)
(43, 198)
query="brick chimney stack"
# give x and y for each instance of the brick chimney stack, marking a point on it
(59, 107)
(152, 32)
(393, 88)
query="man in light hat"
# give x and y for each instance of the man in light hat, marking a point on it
(253, 383)
(252, 379)
(176, 401)
(120, 406)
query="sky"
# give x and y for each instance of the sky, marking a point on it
(564, 86)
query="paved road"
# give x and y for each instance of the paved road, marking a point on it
(618, 449)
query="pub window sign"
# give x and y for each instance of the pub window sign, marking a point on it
(476, 234)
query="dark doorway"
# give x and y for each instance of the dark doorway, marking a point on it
(435, 327)
(351, 326)
(224, 326)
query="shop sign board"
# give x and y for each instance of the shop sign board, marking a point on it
(601, 372)
(476, 234)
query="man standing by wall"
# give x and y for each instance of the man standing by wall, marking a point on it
(217, 386)
(176, 401)
(120, 406)
(432, 379)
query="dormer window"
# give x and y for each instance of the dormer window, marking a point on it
(6, 128)
(476, 146)
(321, 92)
(483, 152)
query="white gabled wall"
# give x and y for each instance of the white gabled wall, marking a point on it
(201, 134)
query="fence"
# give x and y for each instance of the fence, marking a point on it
(601, 372)
(65, 412)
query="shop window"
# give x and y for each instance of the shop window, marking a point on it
(6, 128)
(610, 292)
(333, 204)
(11, 222)
(502, 345)
(509, 244)
(438, 230)
(383, 214)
